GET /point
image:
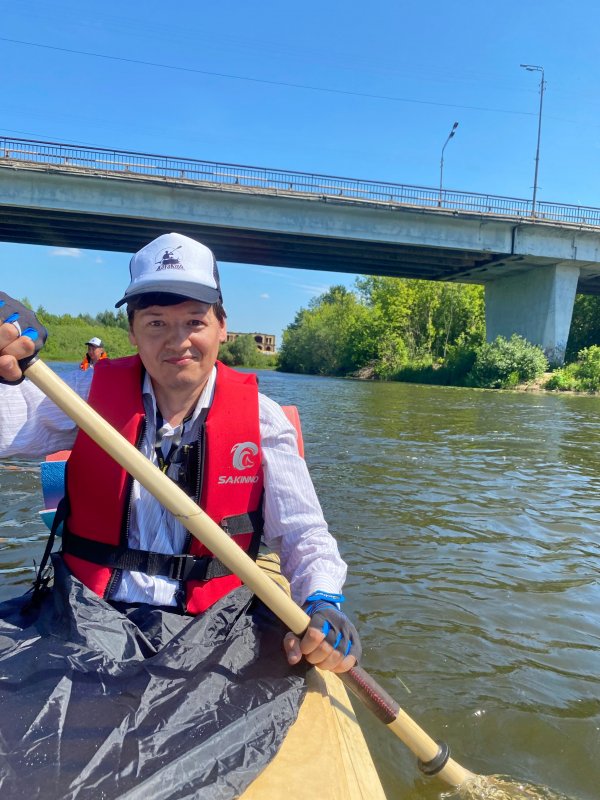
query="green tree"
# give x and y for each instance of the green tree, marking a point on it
(585, 325)
(423, 318)
(332, 337)
(113, 319)
(459, 318)
(391, 324)
(241, 352)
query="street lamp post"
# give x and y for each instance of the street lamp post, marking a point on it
(450, 135)
(535, 68)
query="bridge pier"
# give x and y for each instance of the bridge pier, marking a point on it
(537, 305)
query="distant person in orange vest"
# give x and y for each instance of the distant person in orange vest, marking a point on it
(95, 351)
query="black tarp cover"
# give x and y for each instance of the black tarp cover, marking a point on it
(139, 703)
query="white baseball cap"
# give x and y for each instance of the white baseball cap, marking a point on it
(174, 264)
(95, 342)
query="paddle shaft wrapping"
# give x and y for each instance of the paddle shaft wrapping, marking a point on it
(216, 540)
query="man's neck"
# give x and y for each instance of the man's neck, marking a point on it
(176, 406)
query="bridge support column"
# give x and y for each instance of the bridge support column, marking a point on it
(537, 305)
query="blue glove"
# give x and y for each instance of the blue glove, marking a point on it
(323, 609)
(27, 323)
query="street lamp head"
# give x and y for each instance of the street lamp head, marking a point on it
(450, 135)
(452, 132)
(532, 67)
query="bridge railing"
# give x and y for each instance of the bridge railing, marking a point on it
(281, 181)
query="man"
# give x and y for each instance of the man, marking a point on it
(95, 351)
(192, 418)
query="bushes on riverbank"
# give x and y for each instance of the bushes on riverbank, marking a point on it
(501, 364)
(506, 363)
(583, 375)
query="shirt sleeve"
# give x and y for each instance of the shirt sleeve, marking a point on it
(294, 526)
(31, 425)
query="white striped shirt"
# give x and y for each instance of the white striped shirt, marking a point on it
(31, 426)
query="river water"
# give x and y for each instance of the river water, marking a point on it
(470, 523)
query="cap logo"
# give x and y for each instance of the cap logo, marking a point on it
(243, 455)
(168, 260)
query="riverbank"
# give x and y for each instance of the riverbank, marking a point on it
(537, 385)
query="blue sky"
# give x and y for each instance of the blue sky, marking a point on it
(343, 88)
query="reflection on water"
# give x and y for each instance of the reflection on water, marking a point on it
(469, 520)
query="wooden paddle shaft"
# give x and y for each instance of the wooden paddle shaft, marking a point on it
(224, 548)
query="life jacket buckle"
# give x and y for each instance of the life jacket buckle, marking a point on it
(182, 567)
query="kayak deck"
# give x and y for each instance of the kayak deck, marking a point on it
(325, 754)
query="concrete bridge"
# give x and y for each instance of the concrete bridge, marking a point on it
(531, 266)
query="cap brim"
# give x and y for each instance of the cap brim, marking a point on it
(192, 291)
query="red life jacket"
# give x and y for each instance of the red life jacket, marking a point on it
(99, 489)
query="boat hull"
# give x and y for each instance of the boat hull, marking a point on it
(324, 754)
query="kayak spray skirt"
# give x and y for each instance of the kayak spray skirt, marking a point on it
(139, 702)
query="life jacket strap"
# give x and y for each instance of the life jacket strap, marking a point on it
(181, 567)
(44, 572)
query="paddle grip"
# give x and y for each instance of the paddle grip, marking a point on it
(375, 698)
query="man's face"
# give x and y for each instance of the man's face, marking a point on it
(178, 344)
(94, 353)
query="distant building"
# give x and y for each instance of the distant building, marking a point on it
(265, 342)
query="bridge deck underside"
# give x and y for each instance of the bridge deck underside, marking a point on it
(122, 234)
